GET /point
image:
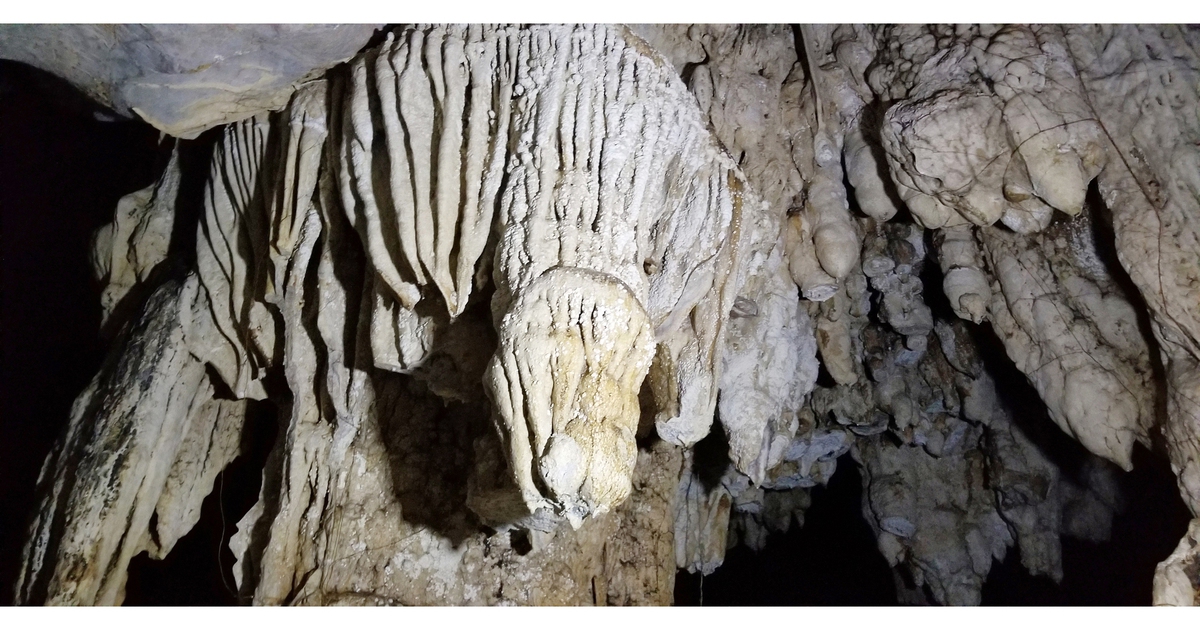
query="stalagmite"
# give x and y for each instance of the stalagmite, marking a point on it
(101, 488)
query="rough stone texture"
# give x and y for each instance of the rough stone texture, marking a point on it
(184, 78)
(1064, 105)
(103, 481)
(1068, 325)
(126, 251)
(1145, 98)
(1177, 579)
(597, 256)
(542, 308)
(652, 254)
(740, 77)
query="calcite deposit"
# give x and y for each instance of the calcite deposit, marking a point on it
(550, 312)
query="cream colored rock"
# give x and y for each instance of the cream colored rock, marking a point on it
(126, 251)
(402, 339)
(952, 147)
(293, 177)
(213, 440)
(1073, 103)
(815, 284)
(1099, 394)
(964, 281)
(422, 193)
(770, 364)
(1175, 579)
(101, 486)
(751, 84)
(476, 267)
(745, 79)
(834, 237)
(596, 301)
(573, 352)
(229, 326)
(863, 171)
(1150, 185)
(637, 252)
(927, 210)
(834, 339)
(1025, 139)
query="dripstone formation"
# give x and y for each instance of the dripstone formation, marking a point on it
(500, 281)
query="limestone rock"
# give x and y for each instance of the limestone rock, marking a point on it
(184, 78)
(102, 484)
(1176, 581)
(126, 251)
(551, 311)
(1093, 372)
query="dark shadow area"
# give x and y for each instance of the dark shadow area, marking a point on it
(199, 570)
(430, 448)
(831, 561)
(1119, 572)
(710, 456)
(61, 174)
(1151, 518)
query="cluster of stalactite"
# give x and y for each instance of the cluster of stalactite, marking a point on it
(502, 281)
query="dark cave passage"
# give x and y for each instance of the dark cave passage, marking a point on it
(1119, 572)
(199, 570)
(831, 561)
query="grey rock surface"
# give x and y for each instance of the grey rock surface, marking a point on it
(184, 78)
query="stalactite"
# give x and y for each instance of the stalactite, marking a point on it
(549, 311)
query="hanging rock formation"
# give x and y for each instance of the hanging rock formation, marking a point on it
(551, 311)
(184, 78)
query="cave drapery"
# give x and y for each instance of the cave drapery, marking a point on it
(548, 313)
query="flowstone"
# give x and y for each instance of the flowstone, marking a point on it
(549, 312)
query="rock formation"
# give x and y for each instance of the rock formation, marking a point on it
(507, 285)
(184, 79)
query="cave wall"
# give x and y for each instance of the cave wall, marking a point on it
(550, 311)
